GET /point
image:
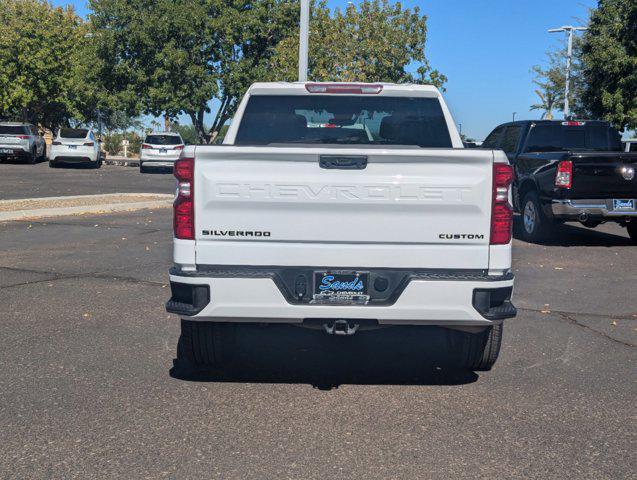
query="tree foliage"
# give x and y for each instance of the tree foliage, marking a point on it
(39, 63)
(377, 41)
(550, 81)
(175, 56)
(610, 63)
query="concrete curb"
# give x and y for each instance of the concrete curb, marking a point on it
(121, 162)
(165, 201)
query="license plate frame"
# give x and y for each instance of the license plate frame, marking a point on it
(163, 151)
(340, 287)
(623, 205)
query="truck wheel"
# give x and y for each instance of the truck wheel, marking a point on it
(535, 225)
(204, 345)
(632, 231)
(477, 351)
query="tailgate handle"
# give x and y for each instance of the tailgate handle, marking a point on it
(350, 162)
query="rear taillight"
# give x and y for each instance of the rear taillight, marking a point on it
(23, 137)
(89, 144)
(179, 147)
(501, 211)
(564, 176)
(145, 146)
(344, 88)
(56, 143)
(184, 206)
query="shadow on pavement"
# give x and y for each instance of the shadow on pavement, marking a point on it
(574, 235)
(288, 354)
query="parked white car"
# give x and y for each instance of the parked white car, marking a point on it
(75, 145)
(21, 141)
(160, 150)
(300, 218)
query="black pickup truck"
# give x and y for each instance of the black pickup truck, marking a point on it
(568, 171)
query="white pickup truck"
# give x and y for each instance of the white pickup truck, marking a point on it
(342, 207)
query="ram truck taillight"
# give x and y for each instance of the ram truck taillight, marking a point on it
(564, 175)
(501, 210)
(184, 206)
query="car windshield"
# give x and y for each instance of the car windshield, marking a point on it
(554, 137)
(163, 140)
(343, 119)
(13, 130)
(73, 133)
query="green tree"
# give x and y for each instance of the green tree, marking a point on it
(610, 63)
(551, 81)
(188, 133)
(39, 55)
(377, 41)
(169, 57)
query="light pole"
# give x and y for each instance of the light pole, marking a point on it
(569, 29)
(514, 116)
(303, 39)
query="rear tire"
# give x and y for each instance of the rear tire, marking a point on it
(204, 345)
(52, 164)
(142, 168)
(632, 231)
(33, 157)
(477, 351)
(535, 224)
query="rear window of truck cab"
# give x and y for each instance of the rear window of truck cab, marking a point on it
(563, 136)
(343, 119)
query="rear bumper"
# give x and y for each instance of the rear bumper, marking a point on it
(158, 161)
(16, 152)
(260, 295)
(79, 158)
(593, 208)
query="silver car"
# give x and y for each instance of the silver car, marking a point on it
(21, 141)
(160, 149)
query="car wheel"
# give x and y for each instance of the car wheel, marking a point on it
(142, 168)
(33, 157)
(632, 231)
(476, 351)
(52, 164)
(535, 224)
(43, 156)
(204, 346)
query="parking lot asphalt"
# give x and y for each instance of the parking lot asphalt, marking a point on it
(30, 181)
(87, 348)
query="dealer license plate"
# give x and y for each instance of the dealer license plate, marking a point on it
(6, 150)
(624, 205)
(341, 287)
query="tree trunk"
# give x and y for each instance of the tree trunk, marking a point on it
(197, 122)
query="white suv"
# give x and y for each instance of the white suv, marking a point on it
(21, 140)
(75, 145)
(160, 149)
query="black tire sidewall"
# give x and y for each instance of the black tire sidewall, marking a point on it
(539, 231)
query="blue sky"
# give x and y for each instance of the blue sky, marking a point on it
(486, 48)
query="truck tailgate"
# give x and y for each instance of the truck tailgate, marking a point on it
(278, 206)
(599, 175)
